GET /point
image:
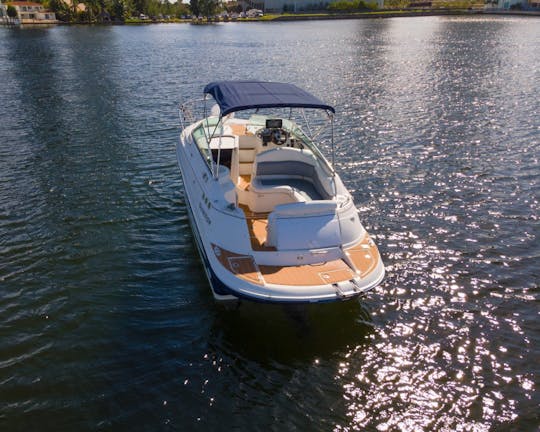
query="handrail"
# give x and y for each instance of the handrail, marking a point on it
(187, 111)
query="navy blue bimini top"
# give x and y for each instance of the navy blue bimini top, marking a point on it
(234, 96)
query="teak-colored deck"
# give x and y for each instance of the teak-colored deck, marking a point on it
(314, 274)
(238, 129)
(364, 256)
(243, 182)
(257, 223)
(363, 259)
(243, 266)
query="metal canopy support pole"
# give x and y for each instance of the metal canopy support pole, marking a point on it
(332, 138)
(219, 146)
(206, 137)
(333, 155)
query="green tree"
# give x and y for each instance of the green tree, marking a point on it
(140, 6)
(181, 9)
(195, 8)
(153, 8)
(351, 5)
(61, 9)
(11, 12)
(120, 9)
(207, 7)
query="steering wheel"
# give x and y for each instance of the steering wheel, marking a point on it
(279, 136)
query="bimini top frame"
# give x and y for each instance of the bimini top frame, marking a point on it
(234, 96)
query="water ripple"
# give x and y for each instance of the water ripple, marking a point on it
(106, 319)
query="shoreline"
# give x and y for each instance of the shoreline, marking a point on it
(306, 17)
(350, 15)
(401, 13)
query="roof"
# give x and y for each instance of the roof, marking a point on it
(23, 3)
(234, 96)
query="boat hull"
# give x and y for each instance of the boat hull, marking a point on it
(216, 230)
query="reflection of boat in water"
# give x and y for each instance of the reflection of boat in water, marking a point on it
(266, 333)
(272, 219)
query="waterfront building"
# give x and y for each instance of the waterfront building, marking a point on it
(27, 13)
(79, 7)
(280, 6)
(513, 4)
(294, 5)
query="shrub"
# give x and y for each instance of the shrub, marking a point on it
(351, 5)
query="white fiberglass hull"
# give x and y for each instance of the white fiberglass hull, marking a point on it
(305, 262)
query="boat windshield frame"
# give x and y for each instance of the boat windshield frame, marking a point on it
(311, 102)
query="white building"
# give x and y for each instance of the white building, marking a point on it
(294, 5)
(512, 4)
(27, 13)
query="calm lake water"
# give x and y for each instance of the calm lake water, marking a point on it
(106, 318)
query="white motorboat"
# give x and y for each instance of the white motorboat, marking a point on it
(272, 219)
